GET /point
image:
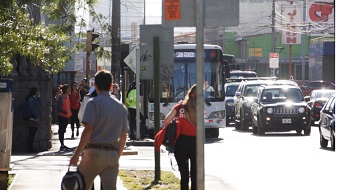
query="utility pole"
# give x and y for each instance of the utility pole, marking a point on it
(115, 40)
(273, 34)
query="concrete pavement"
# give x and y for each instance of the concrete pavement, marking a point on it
(45, 170)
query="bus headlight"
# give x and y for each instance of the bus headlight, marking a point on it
(217, 114)
(301, 110)
(151, 116)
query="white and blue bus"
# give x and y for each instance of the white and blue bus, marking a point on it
(173, 89)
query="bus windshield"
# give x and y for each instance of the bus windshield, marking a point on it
(185, 75)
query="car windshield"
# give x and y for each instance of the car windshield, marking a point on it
(282, 95)
(231, 89)
(325, 94)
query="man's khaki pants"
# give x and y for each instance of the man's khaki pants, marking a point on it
(100, 162)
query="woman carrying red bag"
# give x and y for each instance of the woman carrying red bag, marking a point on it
(185, 144)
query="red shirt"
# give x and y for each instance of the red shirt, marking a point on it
(184, 125)
(75, 100)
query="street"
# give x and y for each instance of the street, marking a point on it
(242, 161)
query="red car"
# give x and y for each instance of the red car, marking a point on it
(316, 85)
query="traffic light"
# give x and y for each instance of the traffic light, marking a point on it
(90, 38)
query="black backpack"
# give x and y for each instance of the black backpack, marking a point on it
(25, 111)
(73, 180)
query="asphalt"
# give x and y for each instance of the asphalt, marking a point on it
(44, 170)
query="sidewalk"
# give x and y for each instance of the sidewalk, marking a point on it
(45, 170)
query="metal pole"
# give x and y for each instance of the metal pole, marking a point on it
(290, 59)
(303, 42)
(87, 65)
(137, 94)
(115, 43)
(200, 94)
(273, 38)
(156, 77)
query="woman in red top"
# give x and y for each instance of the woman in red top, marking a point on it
(75, 98)
(185, 145)
(64, 113)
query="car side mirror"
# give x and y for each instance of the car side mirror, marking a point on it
(326, 112)
(237, 94)
(307, 98)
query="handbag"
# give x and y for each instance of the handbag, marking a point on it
(167, 135)
(73, 180)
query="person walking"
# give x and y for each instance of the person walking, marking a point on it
(185, 144)
(104, 136)
(33, 122)
(64, 113)
(84, 87)
(116, 92)
(75, 98)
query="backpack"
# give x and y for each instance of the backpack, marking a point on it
(73, 180)
(25, 111)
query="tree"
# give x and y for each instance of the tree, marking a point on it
(47, 45)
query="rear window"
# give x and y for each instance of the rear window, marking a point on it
(243, 75)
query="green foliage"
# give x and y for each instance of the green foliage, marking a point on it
(47, 45)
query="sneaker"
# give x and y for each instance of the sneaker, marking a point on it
(64, 148)
(77, 133)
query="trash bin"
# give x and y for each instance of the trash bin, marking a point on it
(6, 127)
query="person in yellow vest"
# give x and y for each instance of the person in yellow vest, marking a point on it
(131, 102)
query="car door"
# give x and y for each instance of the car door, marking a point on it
(327, 117)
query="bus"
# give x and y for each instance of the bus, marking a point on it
(232, 63)
(173, 89)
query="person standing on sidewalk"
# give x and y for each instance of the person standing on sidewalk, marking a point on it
(185, 144)
(104, 136)
(131, 102)
(64, 113)
(33, 122)
(116, 92)
(75, 104)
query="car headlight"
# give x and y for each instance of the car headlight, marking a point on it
(269, 110)
(301, 110)
(229, 103)
(151, 116)
(217, 114)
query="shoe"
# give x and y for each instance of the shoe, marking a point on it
(64, 148)
(72, 135)
(77, 133)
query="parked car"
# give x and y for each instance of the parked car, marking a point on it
(327, 123)
(316, 85)
(316, 101)
(279, 108)
(230, 89)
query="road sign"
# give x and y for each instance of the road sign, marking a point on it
(217, 13)
(172, 9)
(130, 60)
(274, 60)
(165, 34)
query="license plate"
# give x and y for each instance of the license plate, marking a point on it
(286, 120)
